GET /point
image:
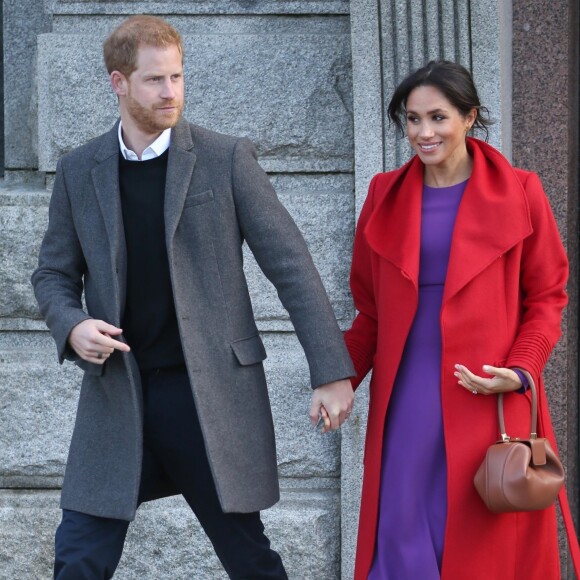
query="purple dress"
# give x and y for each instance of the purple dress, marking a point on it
(413, 497)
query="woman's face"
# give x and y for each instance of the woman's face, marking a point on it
(435, 128)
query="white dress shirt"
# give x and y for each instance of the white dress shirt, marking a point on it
(157, 148)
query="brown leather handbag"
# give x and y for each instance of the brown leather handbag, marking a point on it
(525, 475)
(519, 474)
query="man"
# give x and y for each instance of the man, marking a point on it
(149, 219)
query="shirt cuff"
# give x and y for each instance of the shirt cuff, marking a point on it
(525, 384)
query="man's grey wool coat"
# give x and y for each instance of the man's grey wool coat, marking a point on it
(216, 197)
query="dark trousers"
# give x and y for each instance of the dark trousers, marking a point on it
(90, 547)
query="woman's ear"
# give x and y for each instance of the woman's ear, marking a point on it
(470, 119)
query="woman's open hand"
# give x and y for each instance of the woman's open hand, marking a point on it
(503, 380)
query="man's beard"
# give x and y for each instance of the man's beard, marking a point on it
(148, 119)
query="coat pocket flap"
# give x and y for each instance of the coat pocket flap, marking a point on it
(91, 368)
(198, 198)
(249, 351)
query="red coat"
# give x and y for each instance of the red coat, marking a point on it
(502, 305)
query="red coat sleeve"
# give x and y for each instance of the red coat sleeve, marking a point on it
(544, 271)
(361, 339)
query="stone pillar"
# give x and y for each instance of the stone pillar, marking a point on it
(545, 128)
(24, 20)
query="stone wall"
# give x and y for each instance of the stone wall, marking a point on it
(546, 117)
(308, 82)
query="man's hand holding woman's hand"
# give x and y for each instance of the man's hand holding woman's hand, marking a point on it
(332, 403)
(92, 340)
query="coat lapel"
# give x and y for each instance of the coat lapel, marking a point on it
(105, 177)
(394, 228)
(493, 217)
(106, 183)
(179, 172)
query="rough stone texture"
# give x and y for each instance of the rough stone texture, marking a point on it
(166, 542)
(27, 523)
(102, 24)
(291, 94)
(490, 25)
(302, 451)
(545, 86)
(38, 400)
(23, 219)
(242, 7)
(367, 96)
(23, 21)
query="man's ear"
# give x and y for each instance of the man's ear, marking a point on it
(119, 83)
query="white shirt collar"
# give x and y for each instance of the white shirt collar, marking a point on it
(157, 148)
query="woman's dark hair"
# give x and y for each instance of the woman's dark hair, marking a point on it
(453, 80)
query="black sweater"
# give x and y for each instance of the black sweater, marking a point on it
(149, 322)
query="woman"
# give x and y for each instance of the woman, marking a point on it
(458, 278)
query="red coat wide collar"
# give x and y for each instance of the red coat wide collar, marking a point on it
(493, 217)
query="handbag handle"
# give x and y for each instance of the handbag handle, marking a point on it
(573, 546)
(534, 419)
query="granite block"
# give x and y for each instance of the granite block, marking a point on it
(23, 220)
(393, 61)
(23, 178)
(491, 68)
(302, 452)
(28, 520)
(367, 95)
(38, 400)
(166, 542)
(543, 81)
(305, 529)
(23, 21)
(462, 36)
(435, 25)
(239, 7)
(418, 37)
(553, 152)
(102, 24)
(545, 86)
(291, 94)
